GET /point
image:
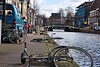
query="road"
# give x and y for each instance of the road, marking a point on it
(87, 41)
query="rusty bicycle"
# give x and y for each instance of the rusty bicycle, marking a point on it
(61, 56)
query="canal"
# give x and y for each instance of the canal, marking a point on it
(87, 41)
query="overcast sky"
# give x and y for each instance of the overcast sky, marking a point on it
(52, 6)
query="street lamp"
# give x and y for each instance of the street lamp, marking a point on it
(30, 14)
(21, 5)
(28, 1)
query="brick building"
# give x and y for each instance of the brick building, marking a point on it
(15, 2)
(8, 1)
(1, 0)
(56, 20)
(94, 18)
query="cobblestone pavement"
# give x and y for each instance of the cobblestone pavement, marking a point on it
(10, 53)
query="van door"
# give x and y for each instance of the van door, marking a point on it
(19, 21)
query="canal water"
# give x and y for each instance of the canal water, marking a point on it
(89, 42)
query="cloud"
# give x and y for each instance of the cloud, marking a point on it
(52, 8)
(37, 1)
(40, 1)
(48, 10)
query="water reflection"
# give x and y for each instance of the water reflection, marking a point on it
(89, 42)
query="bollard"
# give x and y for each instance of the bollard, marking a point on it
(25, 47)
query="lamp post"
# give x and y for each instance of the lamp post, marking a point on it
(30, 14)
(28, 1)
(21, 6)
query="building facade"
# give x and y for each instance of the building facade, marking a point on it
(1, 0)
(56, 20)
(82, 13)
(94, 17)
(8, 1)
(15, 2)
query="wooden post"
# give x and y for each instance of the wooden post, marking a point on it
(4, 19)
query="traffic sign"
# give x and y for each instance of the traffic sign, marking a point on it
(85, 22)
(36, 19)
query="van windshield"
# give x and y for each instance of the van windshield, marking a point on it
(8, 11)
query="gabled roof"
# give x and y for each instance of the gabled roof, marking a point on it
(83, 4)
(92, 3)
(95, 5)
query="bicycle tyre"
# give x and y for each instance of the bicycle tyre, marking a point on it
(57, 58)
(23, 60)
(15, 38)
(52, 53)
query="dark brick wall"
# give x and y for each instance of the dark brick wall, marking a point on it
(1, 0)
(96, 4)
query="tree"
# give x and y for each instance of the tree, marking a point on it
(61, 11)
(44, 20)
(69, 16)
(69, 13)
(35, 7)
(68, 10)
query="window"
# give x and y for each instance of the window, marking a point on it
(18, 13)
(8, 11)
(1, 10)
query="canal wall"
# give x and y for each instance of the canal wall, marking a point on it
(51, 44)
(89, 42)
(90, 31)
(75, 29)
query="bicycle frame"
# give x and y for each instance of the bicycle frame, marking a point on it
(14, 36)
(7, 35)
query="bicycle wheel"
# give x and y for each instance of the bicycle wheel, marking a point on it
(52, 53)
(72, 57)
(16, 38)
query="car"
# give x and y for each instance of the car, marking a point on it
(13, 17)
(97, 28)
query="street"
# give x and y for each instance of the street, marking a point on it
(87, 41)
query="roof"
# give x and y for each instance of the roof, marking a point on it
(95, 5)
(83, 4)
(92, 3)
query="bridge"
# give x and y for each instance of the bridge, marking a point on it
(65, 28)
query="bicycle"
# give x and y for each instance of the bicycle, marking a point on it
(60, 57)
(45, 39)
(14, 36)
(76, 56)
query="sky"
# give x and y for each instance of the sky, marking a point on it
(47, 7)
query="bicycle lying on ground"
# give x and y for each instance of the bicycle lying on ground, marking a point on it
(61, 56)
(14, 36)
